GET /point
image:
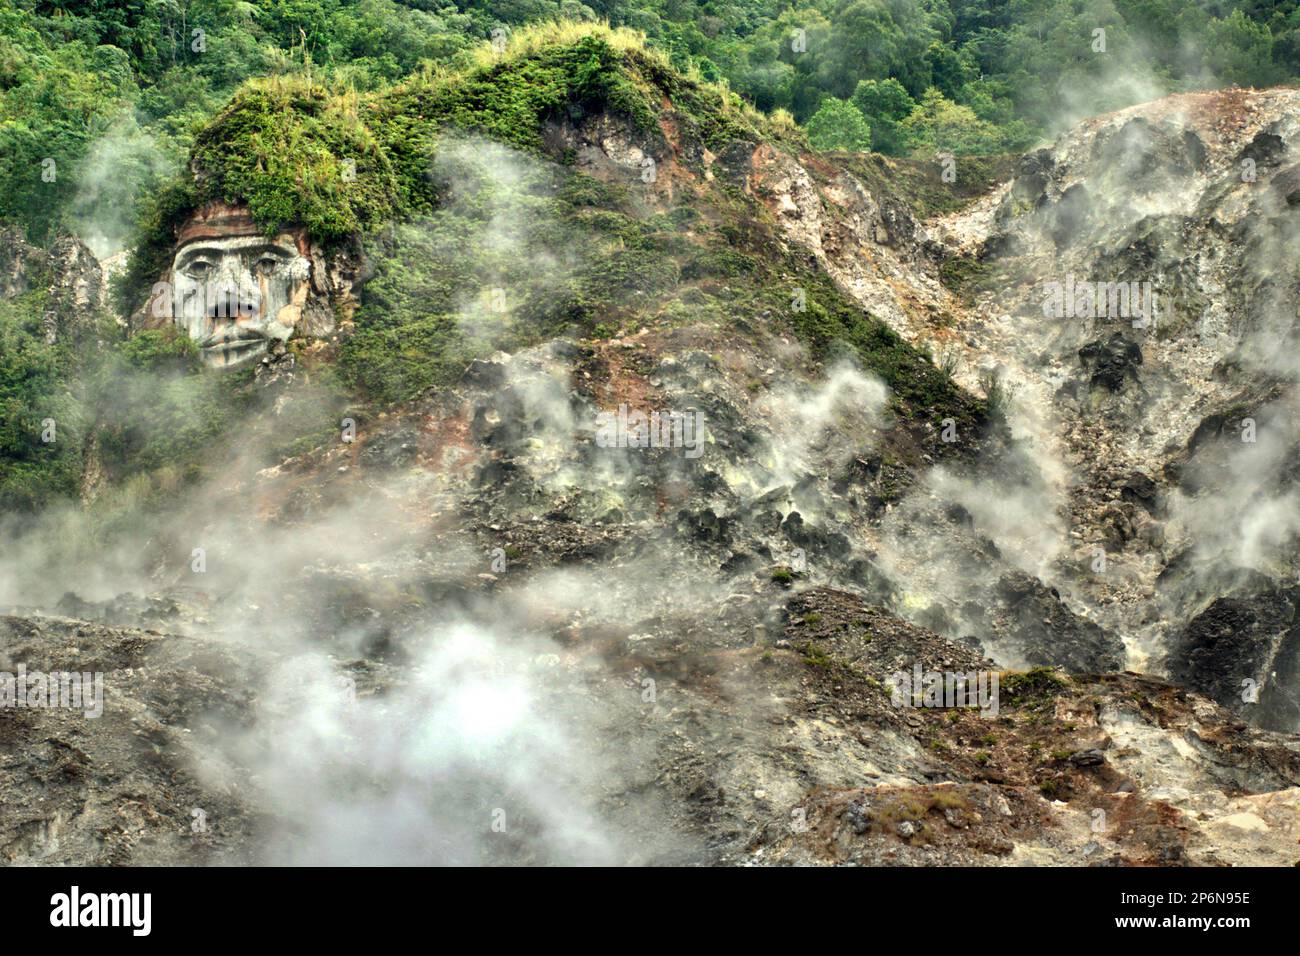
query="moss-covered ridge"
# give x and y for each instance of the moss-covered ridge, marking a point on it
(337, 164)
(297, 155)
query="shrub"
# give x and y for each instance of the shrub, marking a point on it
(838, 125)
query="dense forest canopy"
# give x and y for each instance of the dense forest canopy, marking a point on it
(93, 85)
(104, 102)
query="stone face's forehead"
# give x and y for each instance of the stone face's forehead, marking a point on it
(216, 221)
(284, 244)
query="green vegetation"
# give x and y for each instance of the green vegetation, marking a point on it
(365, 117)
(474, 244)
(153, 406)
(41, 422)
(838, 125)
(835, 326)
(997, 392)
(140, 401)
(1032, 690)
(888, 103)
(907, 76)
(964, 275)
(297, 155)
(303, 152)
(814, 656)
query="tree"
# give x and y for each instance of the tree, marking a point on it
(837, 124)
(876, 39)
(939, 124)
(883, 103)
(1239, 50)
(947, 70)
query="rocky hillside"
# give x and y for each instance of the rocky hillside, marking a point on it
(397, 592)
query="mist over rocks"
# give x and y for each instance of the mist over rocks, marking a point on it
(1242, 651)
(402, 605)
(1147, 194)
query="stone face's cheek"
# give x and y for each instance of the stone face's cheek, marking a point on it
(267, 304)
(282, 300)
(289, 315)
(188, 308)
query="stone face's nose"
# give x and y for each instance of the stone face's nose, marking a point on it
(231, 295)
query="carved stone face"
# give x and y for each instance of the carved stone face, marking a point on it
(234, 294)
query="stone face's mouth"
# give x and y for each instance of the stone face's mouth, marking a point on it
(231, 337)
(232, 348)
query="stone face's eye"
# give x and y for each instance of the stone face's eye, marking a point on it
(266, 265)
(198, 269)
